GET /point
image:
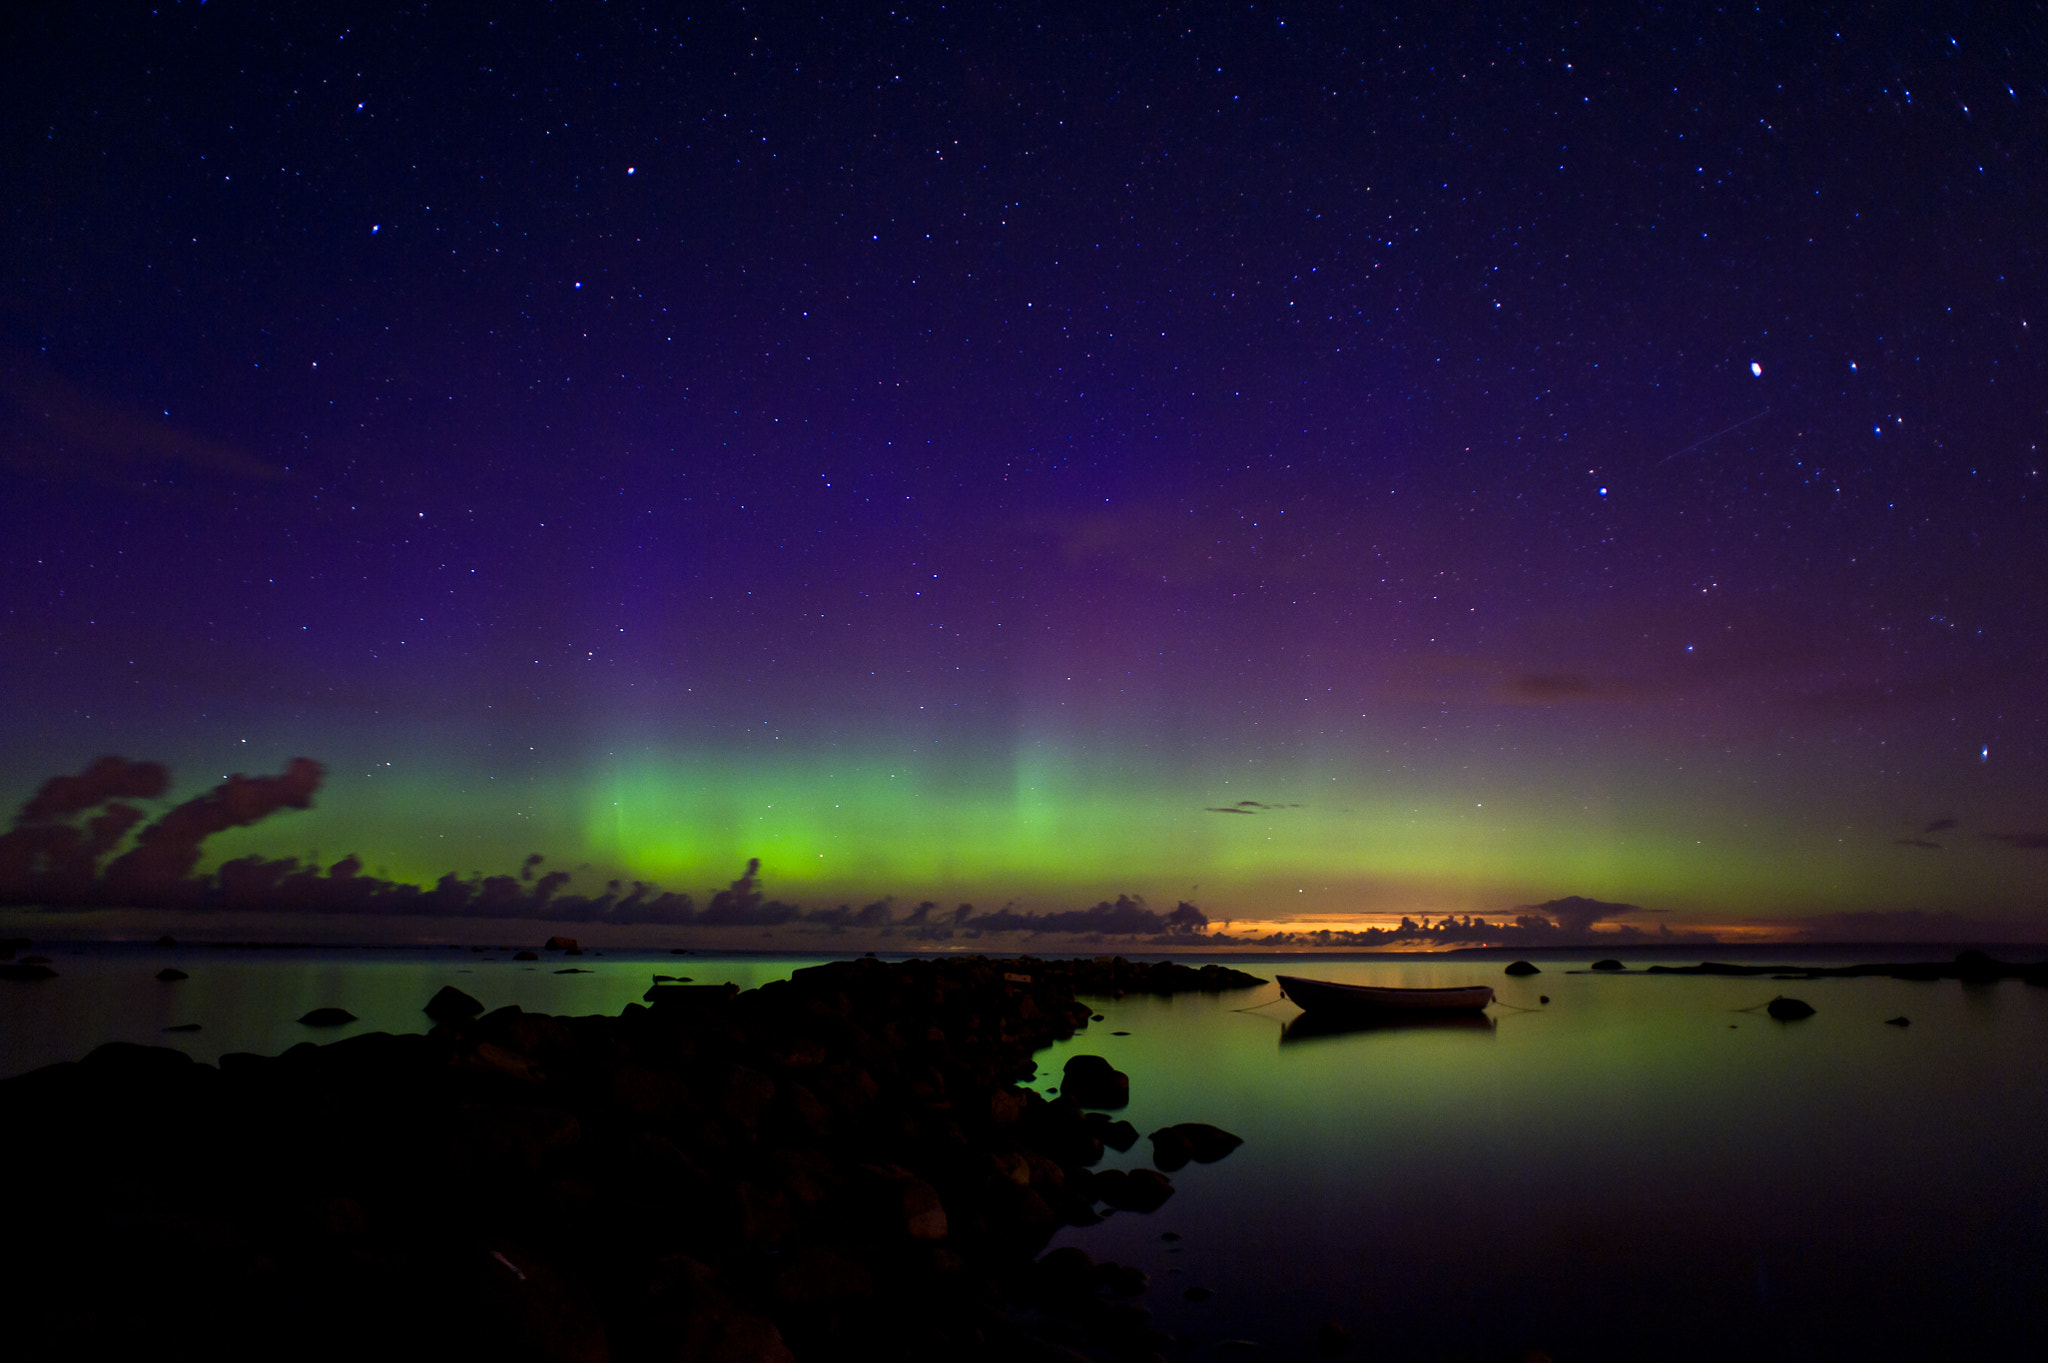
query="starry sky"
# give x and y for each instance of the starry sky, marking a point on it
(1321, 465)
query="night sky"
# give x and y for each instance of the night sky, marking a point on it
(1322, 465)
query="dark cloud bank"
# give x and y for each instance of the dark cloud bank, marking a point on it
(70, 849)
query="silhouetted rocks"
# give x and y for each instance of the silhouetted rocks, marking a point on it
(1901, 1021)
(1092, 1081)
(1521, 968)
(26, 970)
(451, 1005)
(1174, 1146)
(1789, 1010)
(562, 944)
(328, 1017)
(1133, 1190)
(843, 1164)
(171, 976)
(1609, 964)
(1971, 967)
(167, 940)
(1116, 1134)
(526, 955)
(1332, 1338)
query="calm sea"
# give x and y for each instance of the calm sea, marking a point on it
(1643, 1168)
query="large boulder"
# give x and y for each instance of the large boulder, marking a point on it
(328, 1017)
(562, 944)
(1092, 1081)
(451, 1005)
(1788, 1010)
(1522, 968)
(1609, 964)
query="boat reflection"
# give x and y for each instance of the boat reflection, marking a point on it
(1317, 1026)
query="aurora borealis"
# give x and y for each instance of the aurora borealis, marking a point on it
(1320, 466)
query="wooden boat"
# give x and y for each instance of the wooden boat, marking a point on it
(1326, 996)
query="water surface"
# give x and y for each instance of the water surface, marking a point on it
(1646, 1167)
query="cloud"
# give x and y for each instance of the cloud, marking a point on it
(1127, 916)
(1575, 913)
(2025, 842)
(1527, 930)
(50, 425)
(167, 850)
(109, 778)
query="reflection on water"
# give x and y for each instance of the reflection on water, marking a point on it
(1646, 1167)
(1318, 1026)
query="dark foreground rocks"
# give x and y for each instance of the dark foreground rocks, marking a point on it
(843, 1165)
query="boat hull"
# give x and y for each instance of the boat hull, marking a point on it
(1326, 996)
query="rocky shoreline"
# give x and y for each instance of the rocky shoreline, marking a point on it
(844, 1164)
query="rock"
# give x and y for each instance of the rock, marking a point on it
(1332, 1338)
(1900, 1021)
(328, 1017)
(573, 970)
(169, 976)
(1788, 1010)
(1205, 1143)
(1609, 964)
(1119, 1280)
(1543, 998)
(1170, 1149)
(21, 970)
(904, 1203)
(1522, 968)
(133, 1062)
(526, 955)
(184, 1027)
(1092, 1081)
(561, 944)
(539, 1312)
(167, 940)
(451, 1005)
(1117, 1135)
(1134, 1190)
(823, 1277)
(1199, 1293)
